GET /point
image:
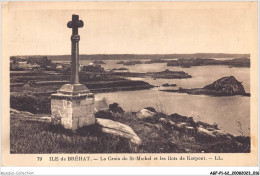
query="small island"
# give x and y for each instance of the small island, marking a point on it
(98, 62)
(186, 63)
(119, 69)
(169, 85)
(166, 74)
(152, 61)
(129, 62)
(226, 86)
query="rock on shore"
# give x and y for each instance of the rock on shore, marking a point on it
(119, 129)
(144, 113)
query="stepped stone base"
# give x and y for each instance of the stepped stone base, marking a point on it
(73, 106)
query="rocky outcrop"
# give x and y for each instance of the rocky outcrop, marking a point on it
(144, 113)
(227, 85)
(212, 134)
(14, 111)
(101, 105)
(160, 133)
(204, 132)
(22, 113)
(119, 129)
(200, 132)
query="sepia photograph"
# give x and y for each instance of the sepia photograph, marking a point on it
(130, 78)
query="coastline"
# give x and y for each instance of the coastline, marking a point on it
(158, 133)
(97, 82)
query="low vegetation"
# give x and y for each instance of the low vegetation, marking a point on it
(36, 137)
(31, 103)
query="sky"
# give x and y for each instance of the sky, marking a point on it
(40, 28)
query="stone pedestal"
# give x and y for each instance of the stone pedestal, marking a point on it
(73, 106)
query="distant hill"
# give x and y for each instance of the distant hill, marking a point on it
(137, 56)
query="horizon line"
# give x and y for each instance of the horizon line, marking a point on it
(127, 54)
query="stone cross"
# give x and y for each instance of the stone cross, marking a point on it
(73, 104)
(75, 24)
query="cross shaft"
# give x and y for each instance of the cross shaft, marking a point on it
(75, 24)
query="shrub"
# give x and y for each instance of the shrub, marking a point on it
(31, 103)
(115, 108)
(243, 139)
(191, 122)
(104, 115)
(178, 118)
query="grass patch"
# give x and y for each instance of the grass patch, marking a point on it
(35, 137)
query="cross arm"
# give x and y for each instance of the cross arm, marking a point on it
(75, 24)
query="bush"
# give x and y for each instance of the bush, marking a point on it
(31, 103)
(178, 118)
(104, 115)
(243, 139)
(115, 108)
(191, 122)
